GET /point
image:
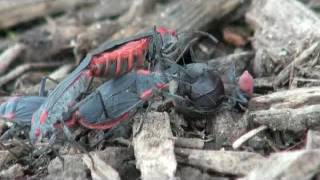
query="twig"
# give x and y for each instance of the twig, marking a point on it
(293, 98)
(61, 72)
(272, 145)
(296, 120)
(138, 9)
(26, 67)
(227, 162)
(9, 55)
(16, 12)
(291, 74)
(300, 164)
(284, 74)
(194, 143)
(100, 169)
(238, 143)
(263, 83)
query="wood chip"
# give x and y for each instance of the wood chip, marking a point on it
(227, 162)
(12, 172)
(293, 98)
(154, 147)
(10, 55)
(99, 169)
(24, 68)
(296, 165)
(283, 76)
(313, 139)
(193, 143)
(277, 38)
(244, 138)
(184, 15)
(297, 120)
(15, 12)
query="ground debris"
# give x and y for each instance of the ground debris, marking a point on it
(74, 166)
(12, 172)
(313, 139)
(193, 143)
(191, 173)
(303, 164)
(274, 136)
(293, 98)
(225, 127)
(154, 147)
(227, 162)
(99, 169)
(277, 38)
(5, 157)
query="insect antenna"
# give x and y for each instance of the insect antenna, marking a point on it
(191, 42)
(143, 117)
(43, 82)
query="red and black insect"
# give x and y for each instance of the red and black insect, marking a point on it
(198, 92)
(110, 60)
(19, 110)
(159, 48)
(118, 99)
(114, 101)
(203, 90)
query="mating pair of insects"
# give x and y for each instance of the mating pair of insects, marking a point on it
(123, 63)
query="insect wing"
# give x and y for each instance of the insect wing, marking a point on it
(26, 107)
(111, 100)
(20, 109)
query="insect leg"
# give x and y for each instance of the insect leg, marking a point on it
(42, 90)
(102, 103)
(142, 118)
(72, 140)
(86, 92)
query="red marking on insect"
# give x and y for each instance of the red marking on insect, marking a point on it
(124, 55)
(105, 125)
(143, 72)
(43, 117)
(119, 61)
(9, 116)
(146, 94)
(246, 83)
(162, 85)
(69, 123)
(163, 31)
(37, 132)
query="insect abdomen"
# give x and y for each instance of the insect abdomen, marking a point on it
(116, 62)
